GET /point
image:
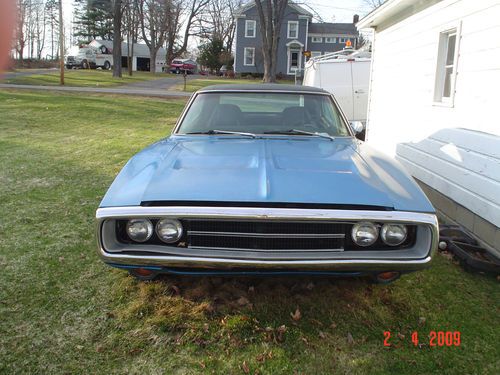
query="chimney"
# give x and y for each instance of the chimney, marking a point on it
(355, 19)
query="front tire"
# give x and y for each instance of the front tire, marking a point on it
(107, 65)
(85, 64)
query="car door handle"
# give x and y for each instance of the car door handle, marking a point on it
(359, 91)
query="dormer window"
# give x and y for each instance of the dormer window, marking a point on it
(250, 26)
(293, 29)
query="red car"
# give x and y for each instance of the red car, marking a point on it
(179, 66)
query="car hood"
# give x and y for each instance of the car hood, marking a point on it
(302, 170)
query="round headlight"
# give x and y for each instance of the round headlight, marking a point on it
(139, 230)
(364, 234)
(393, 234)
(169, 230)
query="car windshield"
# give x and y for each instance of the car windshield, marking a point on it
(264, 113)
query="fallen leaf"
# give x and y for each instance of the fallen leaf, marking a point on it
(401, 336)
(280, 332)
(242, 301)
(310, 286)
(350, 339)
(176, 289)
(251, 289)
(333, 325)
(61, 259)
(296, 315)
(322, 335)
(79, 347)
(421, 320)
(245, 367)
(202, 364)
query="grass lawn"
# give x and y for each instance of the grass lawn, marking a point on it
(63, 311)
(85, 78)
(198, 83)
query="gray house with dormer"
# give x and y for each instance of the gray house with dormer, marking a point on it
(298, 34)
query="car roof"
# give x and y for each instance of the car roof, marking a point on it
(264, 87)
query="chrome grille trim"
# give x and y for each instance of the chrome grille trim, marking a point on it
(265, 235)
(264, 250)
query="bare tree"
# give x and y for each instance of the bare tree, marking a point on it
(372, 4)
(271, 14)
(130, 27)
(21, 27)
(218, 22)
(153, 16)
(177, 14)
(117, 38)
(51, 20)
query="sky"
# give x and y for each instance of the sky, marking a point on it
(337, 10)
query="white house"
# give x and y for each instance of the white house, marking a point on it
(435, 103)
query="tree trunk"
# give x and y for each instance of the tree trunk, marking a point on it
(117, 39)
(152, 59)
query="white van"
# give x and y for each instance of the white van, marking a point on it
(346, 76)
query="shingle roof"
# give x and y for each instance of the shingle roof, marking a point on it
(333, 28)
(250, 4)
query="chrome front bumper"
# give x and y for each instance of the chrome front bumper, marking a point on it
(373, 263)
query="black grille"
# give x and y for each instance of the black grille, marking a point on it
(265, 235)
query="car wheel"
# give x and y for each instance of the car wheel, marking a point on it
(107, 65)
(85, 64)
(177, 71)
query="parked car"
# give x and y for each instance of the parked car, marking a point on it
(267, 179)
(179, 66)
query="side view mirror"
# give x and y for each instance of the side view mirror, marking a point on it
(359, 130)
(357, 127)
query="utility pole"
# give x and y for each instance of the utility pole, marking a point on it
(61, 45)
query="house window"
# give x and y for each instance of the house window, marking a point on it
(315, 54)
(249, 56)
(250, 26)
(330, 40)
(293, 29)
(317, 39)
(342, 40)
(446, 67)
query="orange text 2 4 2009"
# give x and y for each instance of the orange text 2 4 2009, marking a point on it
(433, 339)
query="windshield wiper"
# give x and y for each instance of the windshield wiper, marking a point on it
(297, 131)
(215, 131)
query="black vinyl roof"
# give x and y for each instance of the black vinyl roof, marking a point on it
(264, 87)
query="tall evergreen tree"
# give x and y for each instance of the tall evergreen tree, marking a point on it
(93, 19)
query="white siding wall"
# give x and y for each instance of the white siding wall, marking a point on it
(462, 164)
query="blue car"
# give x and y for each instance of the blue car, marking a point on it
(260, 180)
